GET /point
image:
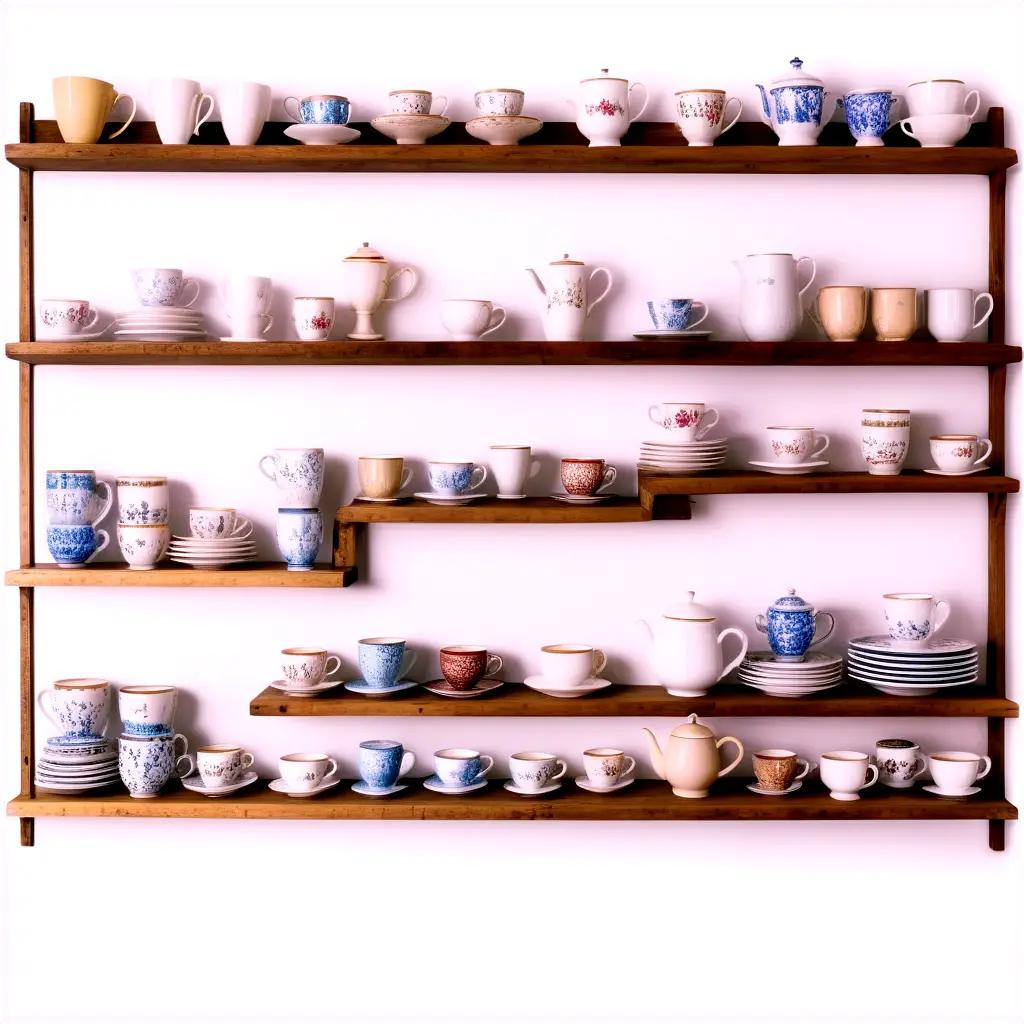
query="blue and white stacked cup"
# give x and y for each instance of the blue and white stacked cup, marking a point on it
(75, 502)
(298, 474)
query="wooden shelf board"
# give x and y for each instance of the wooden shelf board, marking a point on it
(117, 574)
(517, 701)
(506, 353)
(619, 509)
(645, 800)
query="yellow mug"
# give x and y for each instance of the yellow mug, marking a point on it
(894, 313)
(842, 311)
(83, 105)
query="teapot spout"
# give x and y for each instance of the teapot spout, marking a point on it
(537, 281)
(657, 758)
(766, 114)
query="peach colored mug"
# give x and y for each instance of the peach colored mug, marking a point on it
(82, 106)
(842, 311)
(894, 313)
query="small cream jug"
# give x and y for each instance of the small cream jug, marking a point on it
(365, 283)
(771, 306)
(602, 110)
(686, 648)
(690, 763)
(565, 296)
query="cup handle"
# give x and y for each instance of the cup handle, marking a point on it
(444, 105)
(904, 124)
(297, 117)
(408, 762)
(654, 415)
(408, 660)
(177, 766)
(99, 547)
(743, 649)
(565, 768)
(328, 671)
(270, 323)
(725, 109)
(494, 666)
(535, 467)
(814, 270)
(922, 769)
(243, 529)
(393, 278)
(608, 287)
(190, 281)
(247, 760)
(201, 119)
(608, 479)
(706, 423)
(988, 312)
(983, 441)
(407, 475)
(805, 772)
(831, 626)
(45, 702)
(818, 452)
(871, 768)
(131, 116)
(697, 323)
(333, 771)
(493, 325)
(599, 663)
(270, 476)
(86, 327)
(110, 498)
(739, 757)
(627, 772)
(184, 743)
(977, 103)
(643, 106)
(986, 769)
(482, 470)
(482, 774)
(761, 623)
(942, 610)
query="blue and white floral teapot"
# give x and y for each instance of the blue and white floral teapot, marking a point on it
(795, 108)
(792, 625)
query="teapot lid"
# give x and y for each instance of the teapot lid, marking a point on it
(691, 729)
(791, 602)
(797, 76)
(365, 252)
(565, 261)
(603, 77)
(690, 610)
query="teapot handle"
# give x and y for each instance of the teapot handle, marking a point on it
(608, 287)
(762, 623)
(739, 757)
(739, 657)
(831, 626)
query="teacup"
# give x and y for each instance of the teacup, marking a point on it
(384, 661)
(82, 106)
(298, 473)
(452, 477)
(77, 707)
(899, 763)
(143, 500)
(382, 476)
(532, 770)
(894, 313)
(464, 665)
(500, 102)
(325, 109)
(607, 766)
(585, 477)
(700, 114)
(61, 318)
(913, 618)
(147, 710)
(146, 763)
(218, 524)
(956, 771)
(163, 286)
(300, 532)
(73, 546)
(415, 101)
(246, 293)
(383, 762)
(885, 440)
(303, 667)
(869, 114)
(512, 465)
(222, 764)
(953, 312)
(941, 96)
(842, 311)
(570, 665)
(73, 497)
(792, 446)
(846, 773)
(936, 131)
(958, 453)
(313, 317)
(675, 314)
(248, 326)
(142, 547)
(779, 769)
(689, 421)
(469, 319)
(458, 767)
(302, 773)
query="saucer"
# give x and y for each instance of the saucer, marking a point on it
(197, 785)
(380, 501)
(449, 499)
(503, 129)
(278, 786)
(970, 791)
(73, 788)
(513, 788)
(365, 790)
(510, 497)
(539, 684)
(80, 744)
(307, 691)
(82, 336)
(755, 787)
(435, 785)
(958, 472)
(443, 689)
(363, 687)
(581, 499)
(656, 335)
(321, 134)
(584, 783)
(792, 470)
(410, 129)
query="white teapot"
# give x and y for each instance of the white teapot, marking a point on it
(365, 284)
(686, 649)
(771, 303)
(565, 296)
(602, 109)
(794, 106)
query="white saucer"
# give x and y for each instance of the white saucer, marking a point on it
(584, 783)
(755, 787)
(933, 645)
(539, 684)
(71, 788)
(82, 336)
(962, 472)
(279, 786)
(970, 791)
(435, 785)
(197, 785)
(364, 790)
(449, 499)
(308, 691)
(410, 129)
(503, 129)
(510, 497)
(379, 501)
(655, 335)
(794, 470)
(581, 499)
(321, 134)
(360, 686)
(512, 788)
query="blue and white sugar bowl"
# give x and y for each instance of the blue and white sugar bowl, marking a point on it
(794, 106)
(791, 625)
(869, 114)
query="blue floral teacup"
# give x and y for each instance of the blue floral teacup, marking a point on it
(383, 762)
(675, 314)
(73, 546)
(146, 763)
(869, 114)
(457, 767)
(73, 497)
(454, 478)
(78, 707)
(163, 286)
(318, 109)
(384, 661)
(299, 533)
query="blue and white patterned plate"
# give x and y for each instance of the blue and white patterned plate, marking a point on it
(363, 687)
(364, 790)
(435, 785)
(82, 744)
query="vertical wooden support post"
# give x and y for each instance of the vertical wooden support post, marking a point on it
(997, 237)
(346, 543)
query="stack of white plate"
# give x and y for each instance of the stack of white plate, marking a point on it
(682, 457)
(211, 554)
(767, 673)
(906, 671)
(73, 766)
(160, 323)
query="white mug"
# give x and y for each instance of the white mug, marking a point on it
(846, 773)
(570, 665)
(941, 96)
(790, 446)
(313, 317)
(953, 312)
(177, 109)
(899, 763)
(956, 771)
(959, 453)
(512, 465)
(249, 326)
(246, 293)
(244, 109)
(469, 319)
(913, 618)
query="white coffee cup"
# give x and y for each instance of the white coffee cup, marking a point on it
(607, 766)
(302, 773)
(846, 773)
(532, 770)
(177, 109)
(144, 544)
(936, 131)
(244, 109)
(218, 524)
(959, 453)
(313, 317)
(913, 618)
(941, 96)
(885, 440)
(62, 318)
(512, 465)
(899, 763)
(306, 667)
(469, 319)
(499, 102)
(416, 101)
(222, 764)
(956, 771)
(953, 312)
(790, 446)
(570, 665)
(701, 114)
(247, 293)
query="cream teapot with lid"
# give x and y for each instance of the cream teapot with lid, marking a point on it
(566, 302)
(690, 762)
(366, 280)
(603, 108)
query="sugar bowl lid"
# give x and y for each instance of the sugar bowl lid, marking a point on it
(690, 611)
(366, 252)
(791, 602)
(565, 261)
(691, 729)
(797, 76)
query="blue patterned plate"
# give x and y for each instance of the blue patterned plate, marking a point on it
(363, 687)
(364, 790)
(82, 744)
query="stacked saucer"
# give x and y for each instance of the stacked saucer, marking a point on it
(769, 674)
(682, 456)
(160, 323)
(72, 765)
(905, 671)
(410, 129)
(203, 553)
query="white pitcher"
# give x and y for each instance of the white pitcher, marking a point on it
(603, 109)
(770, 300)
(565, 296)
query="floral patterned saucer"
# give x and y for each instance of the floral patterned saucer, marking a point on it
(550, 788)
(584, 783)
(196, 784)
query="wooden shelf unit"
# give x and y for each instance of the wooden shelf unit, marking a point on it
(649, 148)
(118, 574)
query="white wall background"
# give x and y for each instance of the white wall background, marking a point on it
(250, 921)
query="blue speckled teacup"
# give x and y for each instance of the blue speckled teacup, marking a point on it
(319, 109)
(458, 767)
(454, 478)
(383, 762)
(675, 314)
(73, 546)
(384, 661)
